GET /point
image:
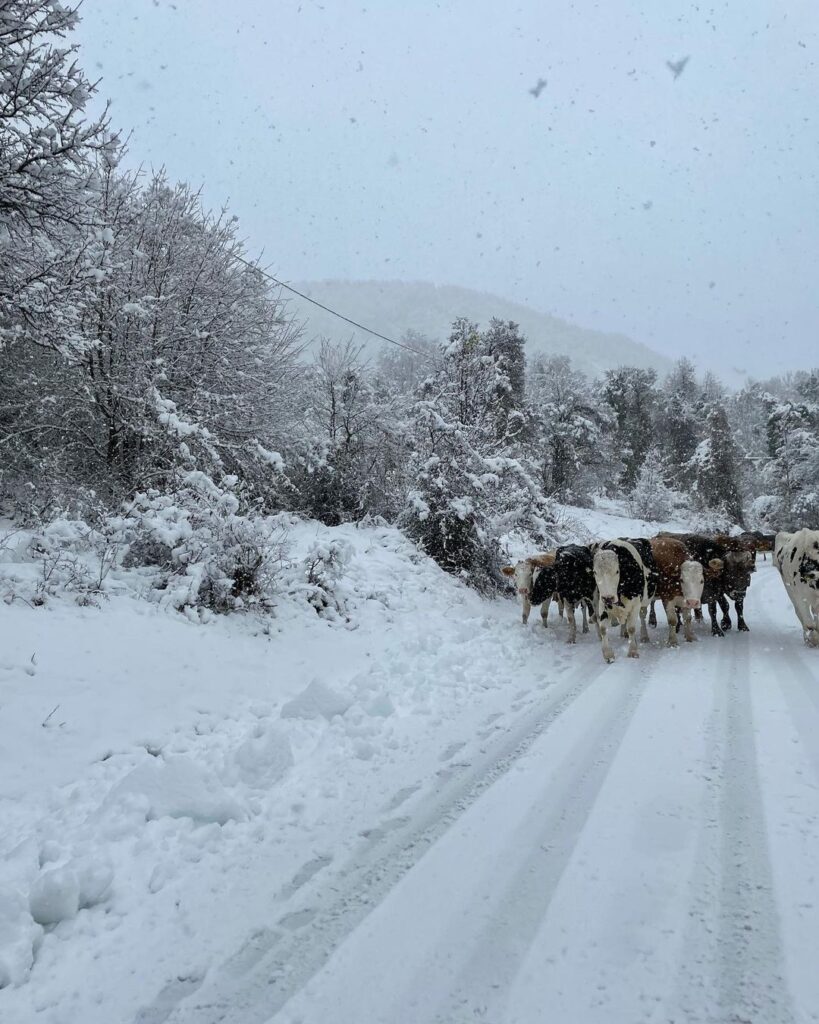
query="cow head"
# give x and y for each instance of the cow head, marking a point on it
(522, 573)
(692, 577)
(738, 568)
(607, 576)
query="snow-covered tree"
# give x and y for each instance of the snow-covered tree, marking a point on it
(715, 464)
(470, 483)
(575, 451)
(651, 498)
(631, 394)
(792, 475)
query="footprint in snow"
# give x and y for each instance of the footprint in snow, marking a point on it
(297, 918)
(402, 796)
(384, 829)
(304, 874)
(451, 751)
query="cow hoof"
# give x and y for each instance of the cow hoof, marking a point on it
(743, 628)
(634, 654)
(585, 629)
(812, 638)
(691, 640)
(716, 631)
(671, 643)
(571, 640)
(726, 624)
(608, 658)
(645, 640)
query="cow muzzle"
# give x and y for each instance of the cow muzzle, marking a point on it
(692, 602)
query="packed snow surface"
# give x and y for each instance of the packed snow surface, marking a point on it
(418, 812)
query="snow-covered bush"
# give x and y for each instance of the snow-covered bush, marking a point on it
(208, 553)
(320, 578)
(68, 556)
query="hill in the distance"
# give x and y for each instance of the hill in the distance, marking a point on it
(393, 307)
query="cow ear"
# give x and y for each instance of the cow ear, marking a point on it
(508, 570)
(716, 565)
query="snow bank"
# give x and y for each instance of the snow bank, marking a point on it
(262, 759)
(55, 896)
(316, 701)
(19, 935)
(175, 788)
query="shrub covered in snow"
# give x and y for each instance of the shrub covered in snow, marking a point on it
(208, 552)
(322, 570)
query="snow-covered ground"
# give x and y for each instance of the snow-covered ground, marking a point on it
(426, 814)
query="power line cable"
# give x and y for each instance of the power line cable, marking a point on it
(333, 312)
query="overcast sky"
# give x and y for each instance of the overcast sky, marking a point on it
(398, 139)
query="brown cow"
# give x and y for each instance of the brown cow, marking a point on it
(679, 584)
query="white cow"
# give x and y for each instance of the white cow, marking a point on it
(534, 584)
(796, 556)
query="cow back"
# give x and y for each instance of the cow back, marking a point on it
(633, 581)
(574, 573)
(669, 554)
(543, 584)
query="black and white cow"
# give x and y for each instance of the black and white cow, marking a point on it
(574, 582)
(625, 575)
(534, 579)
(796, 556)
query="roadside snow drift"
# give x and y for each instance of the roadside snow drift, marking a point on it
(413, 810)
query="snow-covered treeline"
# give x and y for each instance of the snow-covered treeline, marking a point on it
(153, 385)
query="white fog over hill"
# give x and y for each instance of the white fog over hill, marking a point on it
(394, 307)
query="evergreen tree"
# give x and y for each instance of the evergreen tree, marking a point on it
(631, 394)
(716, 467)
(792, 474)
(573, 446)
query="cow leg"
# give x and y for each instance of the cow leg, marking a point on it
(631, 628)
(544, 612)
(673, 622)
(739, 606)
(726, 612)
(527, 607)
(712, 611)
(559, 605)
(644, 638)
(698, 614)
(585, 615)
(603, 627)
(689, 628)
(570, 608)
(652, 618)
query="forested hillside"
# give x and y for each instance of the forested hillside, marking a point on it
(154, 384)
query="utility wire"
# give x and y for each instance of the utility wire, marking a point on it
(301, 295)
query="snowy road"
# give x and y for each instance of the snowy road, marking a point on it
(637, 842)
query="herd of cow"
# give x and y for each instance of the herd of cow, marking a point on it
(615, 582)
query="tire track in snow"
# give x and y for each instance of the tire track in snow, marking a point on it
(481, 990)
(732, 970)
(797, 680)
(291, 958)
